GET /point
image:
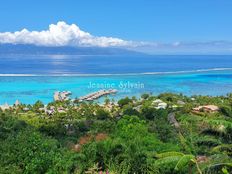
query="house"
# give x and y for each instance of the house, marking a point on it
(61, 110)
(26, 109)
(138, 108)
(162, 105)
(179, 102)
(157, 101)
(159, 104)
(206, 108)
(193, 99)
(211, 108)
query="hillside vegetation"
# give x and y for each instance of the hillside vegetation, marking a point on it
(151, 135)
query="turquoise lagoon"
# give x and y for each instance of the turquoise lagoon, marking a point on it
(31, 78)
(28, 89)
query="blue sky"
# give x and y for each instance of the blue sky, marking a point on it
(148, 20)
(165, 21)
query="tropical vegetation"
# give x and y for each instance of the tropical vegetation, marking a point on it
(131, 136)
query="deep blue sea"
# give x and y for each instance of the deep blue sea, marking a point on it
(32, 78)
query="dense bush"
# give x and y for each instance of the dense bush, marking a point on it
(132, 137)
(124, 101)
(27, 151)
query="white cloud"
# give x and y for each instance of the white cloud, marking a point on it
(61, 34)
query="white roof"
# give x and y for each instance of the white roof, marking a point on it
(157, 101)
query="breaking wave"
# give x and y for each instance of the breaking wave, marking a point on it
(120, 74)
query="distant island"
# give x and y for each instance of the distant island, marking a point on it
(27, 49)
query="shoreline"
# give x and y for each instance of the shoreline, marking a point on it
(116, 98)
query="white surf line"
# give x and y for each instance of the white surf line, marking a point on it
(118, 74)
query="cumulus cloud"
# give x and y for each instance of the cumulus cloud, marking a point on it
(61, 34)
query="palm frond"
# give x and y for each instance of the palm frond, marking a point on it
(184, 143)
(222, 147)
(221, 125)
(167, 160)
(184, 161)
(207, 141)
(169, 154)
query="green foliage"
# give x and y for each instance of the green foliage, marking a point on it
(227, 111)
(128, 149)
(38, 105)
(148, 112)
(125, 101)
(176, 161)
(27, 151)
(133, 137)
(225, 148)
(129, 110)
(101, 114)
(102, 126)
(145, 96)
(161, 126)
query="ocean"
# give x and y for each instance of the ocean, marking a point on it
(32, 78)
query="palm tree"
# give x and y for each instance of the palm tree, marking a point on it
(200, 164)
(180, 160)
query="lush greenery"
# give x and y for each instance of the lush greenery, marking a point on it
(131, 136)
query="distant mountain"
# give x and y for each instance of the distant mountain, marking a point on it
(62, 50)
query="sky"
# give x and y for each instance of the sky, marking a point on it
(186, 24)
